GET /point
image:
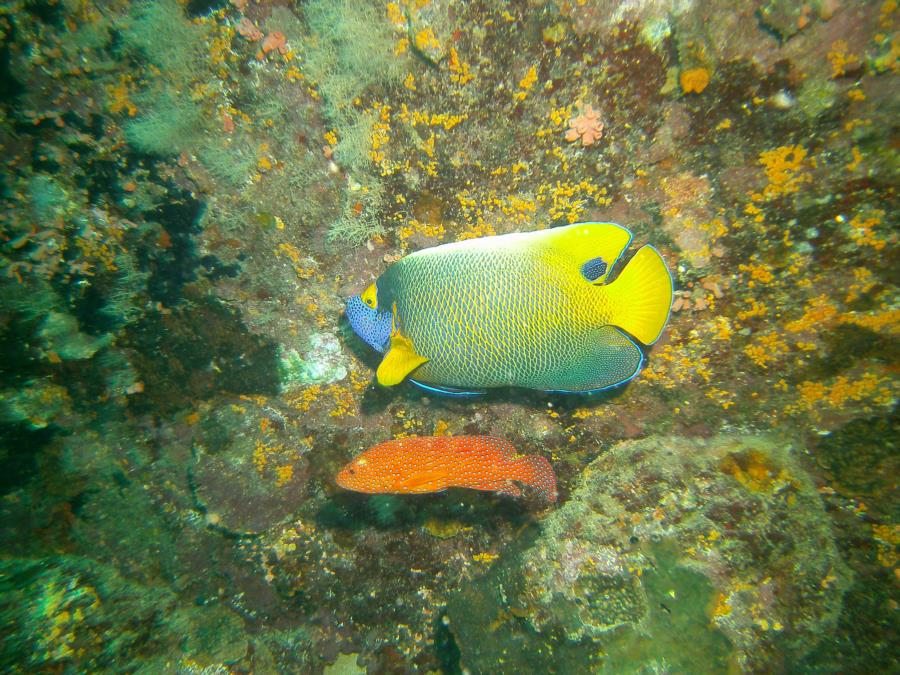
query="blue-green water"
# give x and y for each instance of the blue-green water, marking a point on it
(193, 190)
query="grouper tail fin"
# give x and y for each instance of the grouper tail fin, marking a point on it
(536, 471)
(642, 296)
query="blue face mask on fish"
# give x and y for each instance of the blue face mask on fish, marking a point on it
(370, 324)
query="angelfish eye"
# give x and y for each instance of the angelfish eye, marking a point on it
(370, 296)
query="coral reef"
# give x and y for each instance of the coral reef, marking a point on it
(254, 476)
(63, 608)
(692, 551)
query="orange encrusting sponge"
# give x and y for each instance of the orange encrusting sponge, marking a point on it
(422, 464)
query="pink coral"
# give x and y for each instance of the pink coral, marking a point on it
(275, 41)
(586, 126)
(248, 29)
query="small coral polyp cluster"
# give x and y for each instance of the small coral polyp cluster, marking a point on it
(193, 189)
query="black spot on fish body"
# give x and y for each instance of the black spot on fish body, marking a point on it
(594, 268)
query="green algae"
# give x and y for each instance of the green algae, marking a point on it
(169, 126)
(49, 199)
(176, 54)
(60, 334)
(346, 664)
(816, 96)
(676, 634)
(349, 49)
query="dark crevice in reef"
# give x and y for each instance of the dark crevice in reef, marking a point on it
(196, 351)
(448, 653)
(173, 266)
(10, 87)
(51, 13)
(21, 446)
(203, 7)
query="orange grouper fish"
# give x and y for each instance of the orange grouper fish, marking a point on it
(422, 464)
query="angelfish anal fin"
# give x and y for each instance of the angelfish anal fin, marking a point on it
(401, 359)
(449, 391)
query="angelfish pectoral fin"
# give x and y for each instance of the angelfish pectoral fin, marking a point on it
(401, 359)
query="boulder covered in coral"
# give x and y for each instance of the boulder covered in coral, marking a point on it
(250, 470)
(688, 554)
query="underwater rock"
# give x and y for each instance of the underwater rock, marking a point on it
(655, 16)
(61, 336)
(693, 552)
(689, 221)
(784, 18)
(209, 350)
(862, 460)
(322, 363)
(345, 665)
(38, 403)
(214, 635)
(70, 614)
(430, 29)
(816, 95)
(250, 471)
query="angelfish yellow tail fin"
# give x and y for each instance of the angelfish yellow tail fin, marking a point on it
(642, 296)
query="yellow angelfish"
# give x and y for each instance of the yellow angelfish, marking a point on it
(535, 310)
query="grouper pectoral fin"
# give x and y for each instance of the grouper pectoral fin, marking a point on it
(424, 481)
(401, 359)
